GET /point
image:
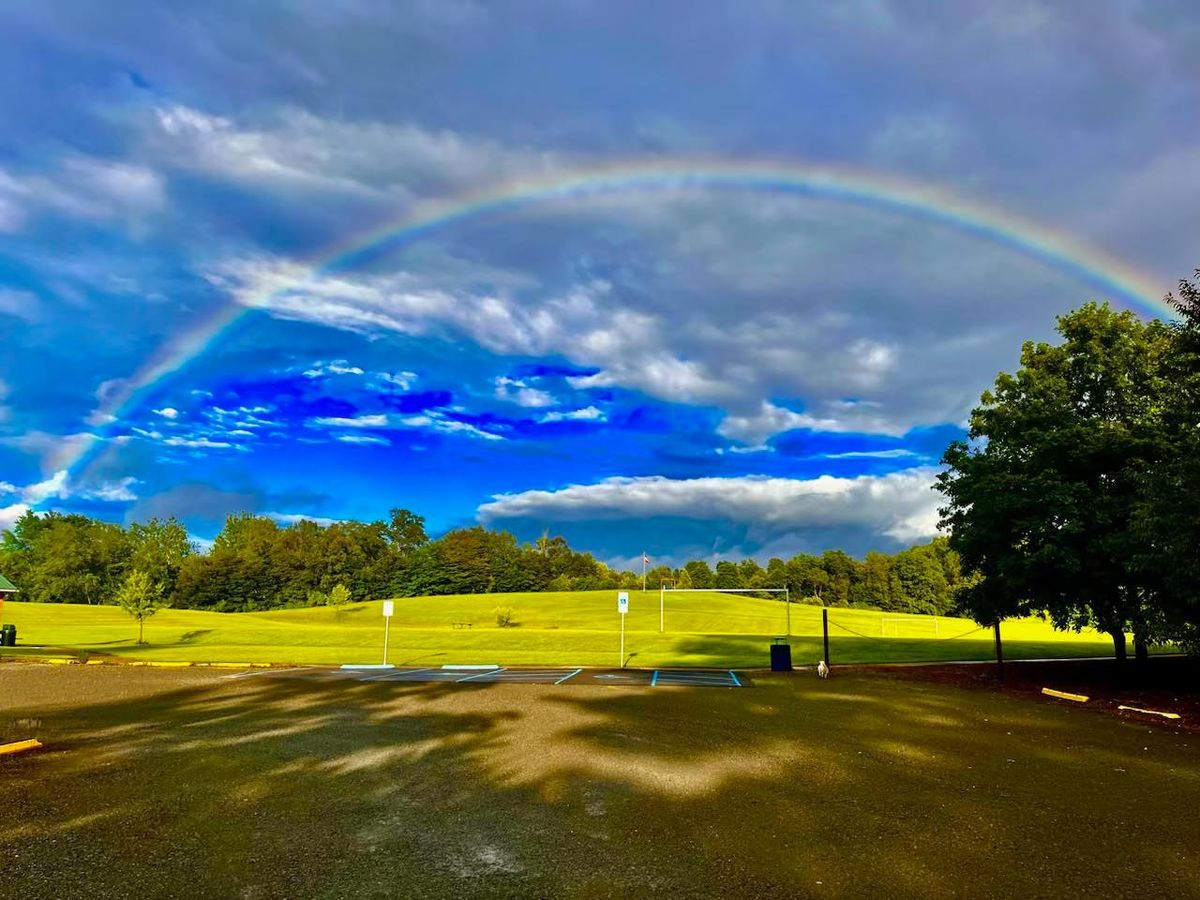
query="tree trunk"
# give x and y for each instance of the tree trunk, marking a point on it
(1118, 637)
(141, 628)
(1141, 649)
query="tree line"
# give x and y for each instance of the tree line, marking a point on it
(255, 563)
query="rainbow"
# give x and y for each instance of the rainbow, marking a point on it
(919, 202)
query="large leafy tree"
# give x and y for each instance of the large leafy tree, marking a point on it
(1043, 500)
(1170, 515)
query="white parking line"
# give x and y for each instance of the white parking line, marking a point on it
(480, 675)
(388, 675)
(266, 672)
(569, 677)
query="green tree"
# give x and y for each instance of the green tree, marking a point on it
(140, 597)
(158, 548)
(843, 571)
(807, 577)
(700, 574)
(728, 575)
(1167, 517)
(1042, 503)
(339, 596)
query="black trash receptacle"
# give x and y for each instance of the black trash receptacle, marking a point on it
(781, 656)
(8, 636)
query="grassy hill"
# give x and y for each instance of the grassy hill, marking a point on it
(578, 628)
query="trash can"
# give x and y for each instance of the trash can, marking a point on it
(8, 636)
(781, 655)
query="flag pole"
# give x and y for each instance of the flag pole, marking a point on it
(643, 571)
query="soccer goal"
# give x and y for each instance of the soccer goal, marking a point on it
(908, 626)
(664, 590)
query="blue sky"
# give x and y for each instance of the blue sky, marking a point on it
(692, 371)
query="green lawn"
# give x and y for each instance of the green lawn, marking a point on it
(579, 628)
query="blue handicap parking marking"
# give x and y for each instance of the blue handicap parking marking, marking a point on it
(694, 678)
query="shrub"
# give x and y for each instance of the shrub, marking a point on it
(504, 616)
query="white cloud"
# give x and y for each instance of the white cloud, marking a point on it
(364, 421)
(436, 421)
(113, 492)
(9, 514)
(894, 453)
(167, 412)
(337, 367)
(586, 414)
(54, 486)
(900, 505)
(769, 419)
(293, 518)
(364, 439)
(24, 305)
(402, 380)
(514, 390)
(60, 487)
(202, 443)
(294, 149)
(82, 187)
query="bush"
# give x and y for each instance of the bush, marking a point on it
(504, 617)
(339, 596)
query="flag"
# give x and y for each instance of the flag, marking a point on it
(645, 559)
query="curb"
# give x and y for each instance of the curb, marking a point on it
(19, 747)
(142, 663)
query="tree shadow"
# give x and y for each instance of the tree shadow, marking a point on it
(285, 785)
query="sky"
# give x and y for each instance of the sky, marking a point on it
(700, 280)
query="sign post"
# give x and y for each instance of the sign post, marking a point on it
(388, 609)
(622, 610)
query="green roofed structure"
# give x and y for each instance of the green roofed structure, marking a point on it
(6, 588)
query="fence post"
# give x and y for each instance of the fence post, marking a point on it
(825, 631)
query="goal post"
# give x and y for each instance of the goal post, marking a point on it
(663, 589)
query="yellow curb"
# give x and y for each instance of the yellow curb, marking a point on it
(1078, 698)
(59, 661)
(19, 746)
(169, 665)
(220, 665)
(1151, 712)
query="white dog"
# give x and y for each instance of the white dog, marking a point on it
(822, 669)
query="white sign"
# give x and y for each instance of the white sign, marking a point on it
(388, 608)
(623, 602)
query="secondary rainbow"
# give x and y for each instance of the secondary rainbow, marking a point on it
(925, 203)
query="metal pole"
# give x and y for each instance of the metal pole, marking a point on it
(387, 621)
(999, 651)
(643, 571)
(825, 630)
(662, 596)
(622, 642)
(787, 601)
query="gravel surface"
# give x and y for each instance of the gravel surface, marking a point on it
(179, 783)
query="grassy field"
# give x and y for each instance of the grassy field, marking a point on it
(577, 629)
(163, 783)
